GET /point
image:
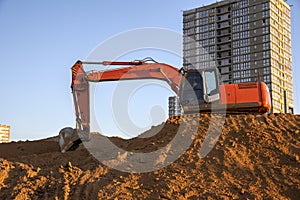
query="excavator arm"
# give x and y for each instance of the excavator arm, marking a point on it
(130, 71)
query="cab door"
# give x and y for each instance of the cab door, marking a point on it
(211, 85)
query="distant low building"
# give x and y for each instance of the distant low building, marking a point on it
(4, 133)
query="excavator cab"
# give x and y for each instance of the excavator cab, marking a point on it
(199, 88)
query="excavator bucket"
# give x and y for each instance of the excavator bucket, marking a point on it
(68, 139)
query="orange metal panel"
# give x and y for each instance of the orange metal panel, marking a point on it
(227, 94)
(247, 93)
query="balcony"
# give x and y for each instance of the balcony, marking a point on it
(223, 10)
(223, 40)
(224, 32)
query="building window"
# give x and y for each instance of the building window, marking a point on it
(245, 42)
(265, 13)
(235, 13)
(236, 59)
(236, 74)
(245, 57)
(235, 44)
(266, 29)
(244, 65)
(244, 19)
(203, 13)
(211, 48)
(235, 36)
(244, 11)
(235, 5)
(235, 28)
(265, 6)
(236, 67)
(266, 38)
(266, 54)
(244, 3)
(244, 34)
(267, 70)
(267, 78)
(203, 21)
(235, 20)
(266, 46)
(266, 62)
(211, 33)
(189, 31)
(245, 73)
(244, 26)
(244, 50)
(236, 51)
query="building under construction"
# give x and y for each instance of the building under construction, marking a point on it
(248, 40)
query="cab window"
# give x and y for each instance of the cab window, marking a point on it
(211, 82)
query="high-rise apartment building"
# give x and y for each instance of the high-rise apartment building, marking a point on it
(4, 133)
(248, 40)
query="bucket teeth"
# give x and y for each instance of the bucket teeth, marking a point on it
(68, 139)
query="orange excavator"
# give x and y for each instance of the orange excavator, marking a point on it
(197, 90)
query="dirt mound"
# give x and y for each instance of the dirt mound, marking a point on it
(256, 157)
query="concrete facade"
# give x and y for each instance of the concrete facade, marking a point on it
(248, 40)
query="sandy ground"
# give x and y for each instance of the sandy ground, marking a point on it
(256, 157)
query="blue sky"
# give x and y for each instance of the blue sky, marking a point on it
(40, 41)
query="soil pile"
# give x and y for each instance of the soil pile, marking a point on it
(255, 157)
